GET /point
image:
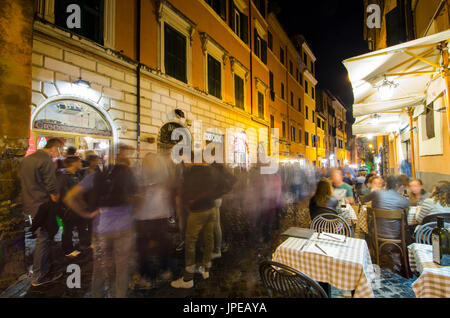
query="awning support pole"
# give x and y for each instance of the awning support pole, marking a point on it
(411, 137)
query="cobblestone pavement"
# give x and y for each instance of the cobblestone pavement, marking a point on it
(234, 275)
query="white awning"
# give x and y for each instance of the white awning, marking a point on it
(410, 66)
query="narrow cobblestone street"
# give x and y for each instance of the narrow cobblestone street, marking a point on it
(234, 275)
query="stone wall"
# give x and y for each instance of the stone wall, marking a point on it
(113, 87)
(16, 21)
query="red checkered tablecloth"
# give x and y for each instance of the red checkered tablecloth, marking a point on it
(350, 269)
(434, 280)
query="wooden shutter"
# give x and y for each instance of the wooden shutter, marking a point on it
(256, 49)
(223, 9)
(214, 77)
(239, 91)
(244, 28)
(231, 15)
(264, 51)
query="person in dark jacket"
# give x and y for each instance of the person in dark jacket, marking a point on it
(202, 185)
(323, 198)
(39, 192)
(66, 181)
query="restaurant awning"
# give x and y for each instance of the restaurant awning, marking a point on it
(388, 81)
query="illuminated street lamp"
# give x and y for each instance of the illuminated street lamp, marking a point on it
(386, 89)
(370, 146)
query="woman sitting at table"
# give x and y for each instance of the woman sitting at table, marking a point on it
(438, 202)
(323, 198)
(417, 194)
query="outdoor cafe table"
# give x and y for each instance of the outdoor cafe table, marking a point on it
(348, 213)
(348, 268)
(434, 280)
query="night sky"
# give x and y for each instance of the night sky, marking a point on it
(334, 30)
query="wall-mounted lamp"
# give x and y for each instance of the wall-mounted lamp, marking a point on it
(82, 83)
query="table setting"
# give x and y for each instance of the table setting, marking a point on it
(340, 261)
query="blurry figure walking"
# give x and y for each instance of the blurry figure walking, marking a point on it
(202, 185)
(110, 204)
(66, 181)
(153, 214)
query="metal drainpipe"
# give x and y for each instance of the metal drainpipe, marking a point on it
(250, 35)
(287, 99)
(138, 78)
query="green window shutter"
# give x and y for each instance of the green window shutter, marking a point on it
(239, 91)
(264, 51)
(214, 77)
(260, 105)
(175, 53)
(244, 28)
(256, 49)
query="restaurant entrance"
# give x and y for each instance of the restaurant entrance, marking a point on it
(78, 124)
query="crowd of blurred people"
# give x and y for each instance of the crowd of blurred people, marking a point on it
(126, 215)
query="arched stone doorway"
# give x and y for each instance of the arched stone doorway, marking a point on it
(78, 123)
(165, 142)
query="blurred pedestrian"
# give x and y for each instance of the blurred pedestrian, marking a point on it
(39, 197)
(202, 185)
(155, 209)
(111, 196)
(66, 181)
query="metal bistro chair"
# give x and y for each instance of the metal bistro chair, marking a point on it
(379, 241)
(423, 234)
(285, 281)
(331, 223)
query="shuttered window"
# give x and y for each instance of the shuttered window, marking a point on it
(214, 77)
(260, 105)
(260, 47)
(220, 6)
(91, 19)
(238, 22)
(174, 53)
(239, 91)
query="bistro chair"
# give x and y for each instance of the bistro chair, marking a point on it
(423, 234)
(399, 242)
(284, 281)
(318, 210)
(331, 223)
(433, 217)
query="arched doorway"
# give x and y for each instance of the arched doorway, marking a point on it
(165, 142)
(78, 123)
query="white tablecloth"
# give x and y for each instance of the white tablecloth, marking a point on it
(434, 280)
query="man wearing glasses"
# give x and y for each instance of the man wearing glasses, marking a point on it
(39, 193)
